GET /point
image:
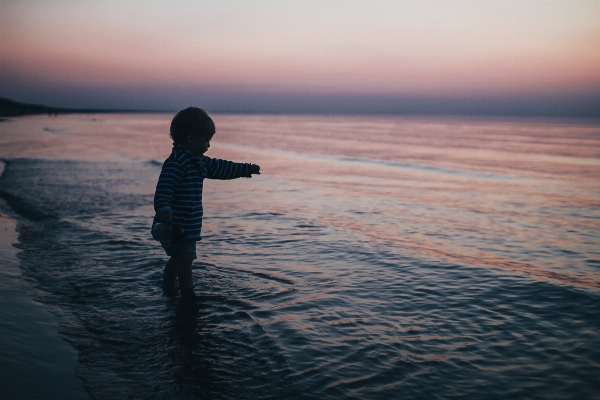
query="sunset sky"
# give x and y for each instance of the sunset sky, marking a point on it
(478, 57)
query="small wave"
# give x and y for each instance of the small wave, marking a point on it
(428, 168)
(308, 226)
(24, 208)
(383, 163)
(272, 277)
(51, 129)
(269, 276)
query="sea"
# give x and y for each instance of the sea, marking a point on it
(374, 257)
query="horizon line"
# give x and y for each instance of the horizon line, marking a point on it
(13, 108)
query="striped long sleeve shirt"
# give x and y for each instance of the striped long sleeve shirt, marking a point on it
(179, 187)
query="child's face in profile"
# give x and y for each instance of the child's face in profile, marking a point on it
(197, 144)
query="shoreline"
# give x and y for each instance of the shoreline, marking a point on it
(35, 360)
(12, 108)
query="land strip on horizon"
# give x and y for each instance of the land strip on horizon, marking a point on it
(12, 108)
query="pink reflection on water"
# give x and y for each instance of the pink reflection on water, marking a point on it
(511, 194)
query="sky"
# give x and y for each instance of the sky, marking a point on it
(416, 57)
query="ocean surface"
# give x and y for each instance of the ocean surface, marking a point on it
(374, 257)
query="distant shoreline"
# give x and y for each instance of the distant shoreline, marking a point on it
(12, 108)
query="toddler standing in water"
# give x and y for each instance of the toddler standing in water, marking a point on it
(178, 197)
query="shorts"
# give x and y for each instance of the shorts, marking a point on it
(181, 252)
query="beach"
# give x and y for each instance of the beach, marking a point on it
(374, 257)
(35, 361)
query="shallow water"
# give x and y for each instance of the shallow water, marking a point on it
(374, 258)
(35, 362)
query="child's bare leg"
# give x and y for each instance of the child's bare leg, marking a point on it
(186, 283)
(169, 277)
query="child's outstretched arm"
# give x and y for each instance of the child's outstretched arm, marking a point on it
(223, 169)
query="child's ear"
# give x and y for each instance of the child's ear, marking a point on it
(190, 138)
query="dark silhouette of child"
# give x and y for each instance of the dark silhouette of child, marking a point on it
(178, 196)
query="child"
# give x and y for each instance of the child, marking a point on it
(178, 197)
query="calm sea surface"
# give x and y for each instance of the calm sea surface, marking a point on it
(374, 258)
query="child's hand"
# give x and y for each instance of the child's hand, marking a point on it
(254, 169)
(166, 218)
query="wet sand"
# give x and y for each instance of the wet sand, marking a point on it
(35, 361)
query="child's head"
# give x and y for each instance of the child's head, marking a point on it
(192, 120)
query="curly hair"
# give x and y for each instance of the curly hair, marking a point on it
(191, 120)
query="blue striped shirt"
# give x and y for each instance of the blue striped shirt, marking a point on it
(179, 187)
